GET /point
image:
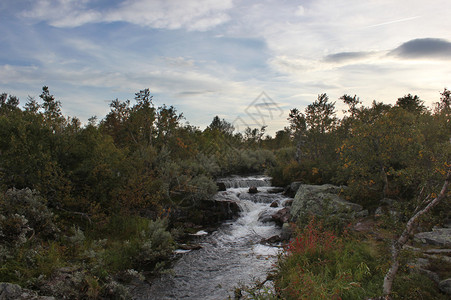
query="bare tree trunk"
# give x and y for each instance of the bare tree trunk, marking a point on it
(402, 240)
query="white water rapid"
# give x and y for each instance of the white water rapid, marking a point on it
(230, 256)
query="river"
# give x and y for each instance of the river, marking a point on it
(230, 256)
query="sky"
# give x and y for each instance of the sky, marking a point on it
(248, 62)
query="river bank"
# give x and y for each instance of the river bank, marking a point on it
(230, 256)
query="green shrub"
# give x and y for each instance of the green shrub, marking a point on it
(145, 244)
(24, 212)
(318, 264)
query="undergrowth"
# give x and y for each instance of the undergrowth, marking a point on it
(318, 263)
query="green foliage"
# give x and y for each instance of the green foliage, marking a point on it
(135, 243)
(74, 195)
(23, 213)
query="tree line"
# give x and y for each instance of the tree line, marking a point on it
(100, 196)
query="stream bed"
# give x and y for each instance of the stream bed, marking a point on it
(230, 256)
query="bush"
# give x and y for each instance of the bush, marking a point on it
(318, 264)
(139, 243)
(23, 211)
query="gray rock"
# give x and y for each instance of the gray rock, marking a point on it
(9, 291)
(281, 216)
(443, 258)
(292, 188)
(322, 200)
(265, 216)
(253, 190)
(387, 202)
(438, 251)
(379, 212)
(276, 190)
(362, 214)
(445, 286)
(438, 236)
(421, 265)
(384, 210)
(221, 186)
(275, 239)
(432, 275)
(190, 246)
(65, 283)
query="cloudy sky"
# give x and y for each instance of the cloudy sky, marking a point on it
(246, 61)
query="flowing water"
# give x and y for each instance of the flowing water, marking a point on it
(230, 256)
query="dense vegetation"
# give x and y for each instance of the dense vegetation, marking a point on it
(104, 201)
(99, 200)
(378, 151)
(399, 154)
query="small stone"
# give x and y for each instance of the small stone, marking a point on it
(221, 186)
(387, 202)
(271, 240)
(274, 204)
(275, 190)
(281, 216)
(361, 214)
(190, 247)
(379, 212)
(253, 190)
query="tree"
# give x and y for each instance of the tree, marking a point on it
(352, 103)
(411, 103)
(167, 122)
(221, 126)
(443, 108)
(114, 123)
(52, 109)
(427, 205)
(297, 122)
(320, 116)
(142, 117)
(8, 104)
(381, 158)
(32, 106)
(253, 136)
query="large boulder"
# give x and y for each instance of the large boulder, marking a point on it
(438, 237)
(321, 200)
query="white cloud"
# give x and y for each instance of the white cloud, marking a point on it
(320, 46)
(179, 62)
(62, 13)
(300, 11)
(169, 14)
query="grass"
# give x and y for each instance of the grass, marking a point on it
(318, 263)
